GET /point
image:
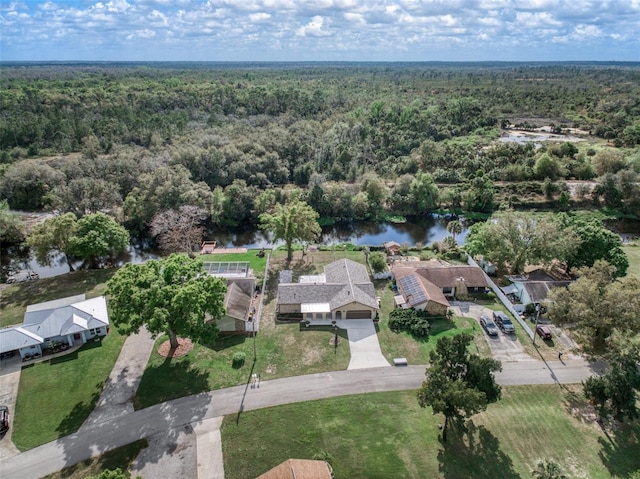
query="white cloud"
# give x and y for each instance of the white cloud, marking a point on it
(316, 29)
(259, 17)
(313, 28)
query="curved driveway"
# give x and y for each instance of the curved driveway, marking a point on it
(173, 417)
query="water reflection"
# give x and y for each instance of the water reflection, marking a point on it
(422, 229)
(20, 259)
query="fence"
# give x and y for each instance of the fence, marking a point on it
(503, 298)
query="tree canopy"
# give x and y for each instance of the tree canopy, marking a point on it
(513, 240)
(172, 295)
(616, 392)
(91, 238)
(598, 308)
(458, 384)
(293, 221)
(596, 242)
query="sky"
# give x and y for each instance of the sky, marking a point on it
(320, 30)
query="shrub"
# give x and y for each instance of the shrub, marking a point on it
(238, 359)
(378, 262)
(414, 322)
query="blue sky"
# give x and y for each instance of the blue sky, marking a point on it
(322, 30)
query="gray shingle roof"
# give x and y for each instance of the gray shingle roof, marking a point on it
(346, 282)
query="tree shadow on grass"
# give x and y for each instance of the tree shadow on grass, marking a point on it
(172, 379)
(80, 412)
(619, 450)
(473, 451)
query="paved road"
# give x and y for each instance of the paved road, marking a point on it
(176, 416)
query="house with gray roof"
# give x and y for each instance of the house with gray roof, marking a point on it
(67, 321)
(240, 310)
(343, 291)
(533, 287)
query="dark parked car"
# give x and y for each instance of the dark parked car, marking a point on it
(489, 326)
(4, 419)
(503, 322)
(7, 354)
(543, 331)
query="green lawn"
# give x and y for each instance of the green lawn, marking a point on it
(633, 253)
(283, 349)
(121, 457)
(394, 345)
(56, 396)
(387, 435)
(15, 298)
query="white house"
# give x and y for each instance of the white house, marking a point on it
(62, 322)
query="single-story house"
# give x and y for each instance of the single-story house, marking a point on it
(427, 285)
(299, 469)
(534, 286)
(419, 293)
(239, 304)
(343, 291)
(67, 321)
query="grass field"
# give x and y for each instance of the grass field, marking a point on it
(15, 298)
(387, 435)
(56, 396)
(283, 349)
(632, 251)
(121, 457)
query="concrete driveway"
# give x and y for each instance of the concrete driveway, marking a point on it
(504, 347)
(363, 343)
(9, 382)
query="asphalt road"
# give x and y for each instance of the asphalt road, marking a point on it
(174, 417)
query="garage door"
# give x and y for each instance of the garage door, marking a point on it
(358, 314)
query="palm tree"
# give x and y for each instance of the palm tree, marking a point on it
(548, 470)
(455, 228)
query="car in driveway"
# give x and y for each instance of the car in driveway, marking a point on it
(488, 325)
(503, 322)
(543, 331)
(4, 419)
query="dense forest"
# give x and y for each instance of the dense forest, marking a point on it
(355, 141)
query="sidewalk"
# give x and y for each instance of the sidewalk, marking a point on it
(118, 393)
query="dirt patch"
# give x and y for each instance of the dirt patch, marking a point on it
(311, 356)
(184, 346)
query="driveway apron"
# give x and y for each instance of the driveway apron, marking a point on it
(120, 389)
(364, 345)
(9, 382)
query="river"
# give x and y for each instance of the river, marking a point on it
(419, 229)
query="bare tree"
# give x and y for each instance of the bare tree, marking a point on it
(179, 230)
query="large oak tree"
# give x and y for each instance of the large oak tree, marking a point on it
(294, 221)
(172, 295)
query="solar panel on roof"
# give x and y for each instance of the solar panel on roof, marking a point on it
(413, 291)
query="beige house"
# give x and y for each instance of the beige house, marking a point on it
(342, 291)
(428, 285)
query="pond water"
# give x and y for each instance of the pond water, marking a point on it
(421, 229)
(418, 229)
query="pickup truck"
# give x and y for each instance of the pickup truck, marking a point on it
(503, 322)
